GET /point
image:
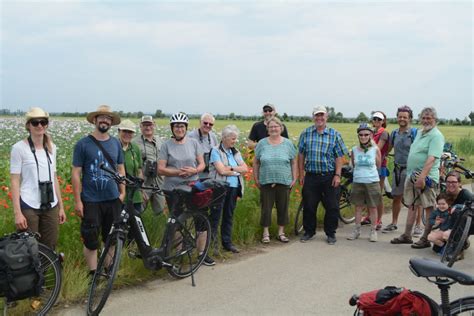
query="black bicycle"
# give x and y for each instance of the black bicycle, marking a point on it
(51, 268)
(443, 276)
(185, 241)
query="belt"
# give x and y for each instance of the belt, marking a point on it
(320, 174)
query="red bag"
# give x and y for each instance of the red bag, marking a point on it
(201, 199)
(392, 301)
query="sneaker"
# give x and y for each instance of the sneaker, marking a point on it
(379, 225)
(373, 235)
(331, 240)
(208, 261)
(422, 243)
(355, 234)
(417, 231)
(306, 237)
(389, 228)
(365, 221)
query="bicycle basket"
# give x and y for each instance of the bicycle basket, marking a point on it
(208, 193)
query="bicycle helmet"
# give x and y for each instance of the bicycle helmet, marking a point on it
(179, 118)
(364, 127)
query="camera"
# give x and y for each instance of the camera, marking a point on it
(46, 194)
(150, 169)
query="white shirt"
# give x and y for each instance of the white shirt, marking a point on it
(22, 162)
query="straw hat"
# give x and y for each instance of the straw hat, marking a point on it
(127, 125)
(36, 113)
(104, 110)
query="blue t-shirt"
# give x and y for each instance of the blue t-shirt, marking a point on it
(97, 186)
(233, 181)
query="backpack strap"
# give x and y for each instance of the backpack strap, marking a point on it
(106, 154)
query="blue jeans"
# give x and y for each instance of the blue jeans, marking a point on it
(318, 188)
(227, 212)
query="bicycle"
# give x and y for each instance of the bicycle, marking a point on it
(51, 268)
(178, 252)
(443, 276)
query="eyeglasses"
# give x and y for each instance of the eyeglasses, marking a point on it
(364, 135)
(35, 123)
(451, 182)
(267, 110)
(376, 119)
(179, 126)
(104, 117)
(274, 126)
(208, 123)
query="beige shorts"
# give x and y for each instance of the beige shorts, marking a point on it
(366, 194)
(425, 198)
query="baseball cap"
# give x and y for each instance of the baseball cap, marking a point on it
(147, 118)
(378, 115)
(319, 109)
(269, 105)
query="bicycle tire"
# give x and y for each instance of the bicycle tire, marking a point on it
(462, 305)
(299, 219)
(346, 208)
(457, 239)
(181, 249)
(104, 276)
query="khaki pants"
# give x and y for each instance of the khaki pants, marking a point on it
(46, 223)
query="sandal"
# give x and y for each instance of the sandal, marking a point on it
(282, 238)
(266, 239)
(402, 239)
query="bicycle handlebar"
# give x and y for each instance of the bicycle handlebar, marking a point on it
(133, 182)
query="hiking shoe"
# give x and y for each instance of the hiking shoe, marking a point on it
(355, 234)
(373, 235)
(389, 228)
(208, 261)
(331, 240)
(365, 221)
(306, 237)
(417, 231)
(402, 239)
(378, 226)
(467, 244)
(422, 243)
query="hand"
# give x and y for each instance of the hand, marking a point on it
(187, 172)
(62, 216)
(292, 184)
(336, 180)
(145, 196)
(20, 221)
(79, 207)
(420, 183)
(301, 180)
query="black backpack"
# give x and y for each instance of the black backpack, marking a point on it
(20, 267)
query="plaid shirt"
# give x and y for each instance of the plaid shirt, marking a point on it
(321, 150)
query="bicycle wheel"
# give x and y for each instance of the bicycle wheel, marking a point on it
(105, 274)
(346, 208)
(462, 306)
(457, 239)
(190, 231)
(299, 219)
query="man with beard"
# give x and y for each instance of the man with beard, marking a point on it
(422, 182)
(98, 199)
(259, 129)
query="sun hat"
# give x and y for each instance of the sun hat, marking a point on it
(36, 112)
(269, 105)
(319, 109)
(379, 115)
(147, 118)
(127, 125)
(103, 110)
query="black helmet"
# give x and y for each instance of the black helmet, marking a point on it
(364, 126)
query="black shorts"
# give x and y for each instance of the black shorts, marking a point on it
(98, 217)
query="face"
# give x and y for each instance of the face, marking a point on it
(452, 185)
(179, 130)
(320, 120)
(206, 125)
(442, 204)
(428, 122)
(364, 136)
(230, 141)
(103, 123)
(274, 129)
(38, 126)
(126, 136)
(403, 119)
(376, 122)
(268, 113)
(147, 129)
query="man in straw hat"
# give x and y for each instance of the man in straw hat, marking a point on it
(98, 199)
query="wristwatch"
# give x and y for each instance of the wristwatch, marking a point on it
(231, 168)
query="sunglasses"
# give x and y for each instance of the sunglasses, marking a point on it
(35, 123)
(376, 119)
(364, 135)
(208, 123)
(267, 110)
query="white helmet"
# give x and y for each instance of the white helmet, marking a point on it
(179, 118)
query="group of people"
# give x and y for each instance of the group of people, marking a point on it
(316, 162)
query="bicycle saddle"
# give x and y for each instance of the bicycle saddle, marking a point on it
(422, 267)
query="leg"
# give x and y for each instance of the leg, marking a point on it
(436, 237)
(380, 206)
(396, 207)
(311, 198)
(227, 217)
(282, 202)
(49, 227)
(32, 219)
(267, 200)
(331, 205)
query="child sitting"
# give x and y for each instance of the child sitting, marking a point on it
(440, 218)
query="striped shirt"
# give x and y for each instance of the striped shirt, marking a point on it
(321, 150)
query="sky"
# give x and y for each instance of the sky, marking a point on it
(235, 56)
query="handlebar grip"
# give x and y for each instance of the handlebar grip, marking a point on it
(353, 300)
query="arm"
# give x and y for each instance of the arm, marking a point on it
(163, 170)
(256, 170)
(378, 158)
(251, 144)
(121, 186)
(420, 182)
(57, 189)
(20, 220)
(301, 168)
(336, 180)
(294, 172)
(77, 189)
(241, 167)
(190, 171)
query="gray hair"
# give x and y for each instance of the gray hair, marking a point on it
(430, 111)
(209, 115)
(230, 130)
